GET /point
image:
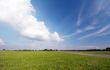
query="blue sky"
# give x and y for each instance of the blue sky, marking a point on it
(82, 24)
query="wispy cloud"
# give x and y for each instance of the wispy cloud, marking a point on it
(99, 32)
(78, 31)
(78, 23)
(89, 28)
(69, 36)
(72, 34)
(99, 6)
(79, 19)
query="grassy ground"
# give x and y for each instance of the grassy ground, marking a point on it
(97, 52)
(40, 60)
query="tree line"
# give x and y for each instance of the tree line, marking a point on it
(106, 49)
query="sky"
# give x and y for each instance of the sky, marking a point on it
(54, 24)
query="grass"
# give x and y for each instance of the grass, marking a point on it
(53, 60)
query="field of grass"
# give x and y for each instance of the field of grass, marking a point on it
(97, 52)
(53, 60)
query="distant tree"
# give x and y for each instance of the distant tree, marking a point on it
(107, 49)
(45, 49)
(50, 50)
(3, 49)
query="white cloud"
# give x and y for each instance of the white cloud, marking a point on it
(19, 15)
(2, 42)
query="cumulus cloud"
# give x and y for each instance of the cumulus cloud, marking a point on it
(2, 42)
(19, 15)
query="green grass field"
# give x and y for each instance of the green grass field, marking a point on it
(53, 60)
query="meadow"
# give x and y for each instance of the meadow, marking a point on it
(50, 60)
